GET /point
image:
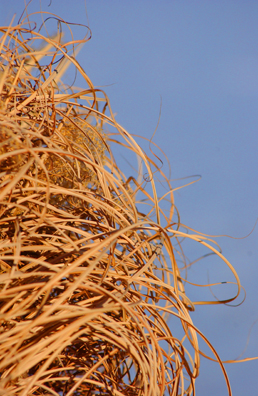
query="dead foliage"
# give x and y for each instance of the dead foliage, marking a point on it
(87, 281)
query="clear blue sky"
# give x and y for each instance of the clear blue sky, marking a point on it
(201, 57)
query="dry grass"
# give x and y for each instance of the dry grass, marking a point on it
(87, 281)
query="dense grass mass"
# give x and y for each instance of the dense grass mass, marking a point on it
(88, 281)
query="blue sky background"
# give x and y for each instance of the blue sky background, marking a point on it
(201, 57)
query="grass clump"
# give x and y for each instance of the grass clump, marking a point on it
(87, 281)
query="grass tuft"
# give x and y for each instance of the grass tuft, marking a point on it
(87, 280)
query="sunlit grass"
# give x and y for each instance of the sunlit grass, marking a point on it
(88, 281)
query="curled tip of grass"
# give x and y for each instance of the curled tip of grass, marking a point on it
(86, 288)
